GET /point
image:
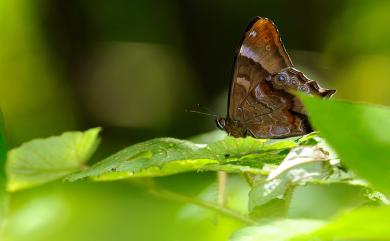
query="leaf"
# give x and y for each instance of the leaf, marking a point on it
(167, 156)
(270, 196)
(209, 137)
(368, 223)
(359, 133)
(303, 164)
(43, 160)
(277, 231)
(3, 180)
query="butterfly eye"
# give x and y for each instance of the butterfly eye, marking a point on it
(221, 123)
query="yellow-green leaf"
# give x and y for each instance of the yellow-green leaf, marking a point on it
(368, 223)
(43, 160)
(359, 133)
(167, 156)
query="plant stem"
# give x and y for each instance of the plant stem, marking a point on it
(222, 179)
(161, 192)
(248, 178)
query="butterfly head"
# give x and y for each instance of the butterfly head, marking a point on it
(232, 127)
(220, 122)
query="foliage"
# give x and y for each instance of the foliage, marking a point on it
(274, 169)
(3, 156)
(276, 231)
(359, 134)
(166, 156)
(368, 223)
(44, 160)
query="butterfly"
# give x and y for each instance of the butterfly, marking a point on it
(261, 103)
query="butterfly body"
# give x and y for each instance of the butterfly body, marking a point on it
(261, 100)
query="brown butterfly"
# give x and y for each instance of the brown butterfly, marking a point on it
(260, 100)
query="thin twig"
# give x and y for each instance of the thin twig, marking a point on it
(248, 178)
(161, 192)
(222, 180)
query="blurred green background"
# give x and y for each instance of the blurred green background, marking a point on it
(133, 67)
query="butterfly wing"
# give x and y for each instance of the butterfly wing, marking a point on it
(260, 54)
(258, 105)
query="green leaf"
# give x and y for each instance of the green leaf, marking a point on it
(359, 133)
(303, 164)
(3, 180)
(209, 137)
(368, 223)
(43, 160)
(277, 231)
(167, 156)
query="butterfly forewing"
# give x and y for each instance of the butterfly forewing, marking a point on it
(260, 54)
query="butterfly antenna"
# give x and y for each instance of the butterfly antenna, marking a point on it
(202, 113)
(206, 112)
